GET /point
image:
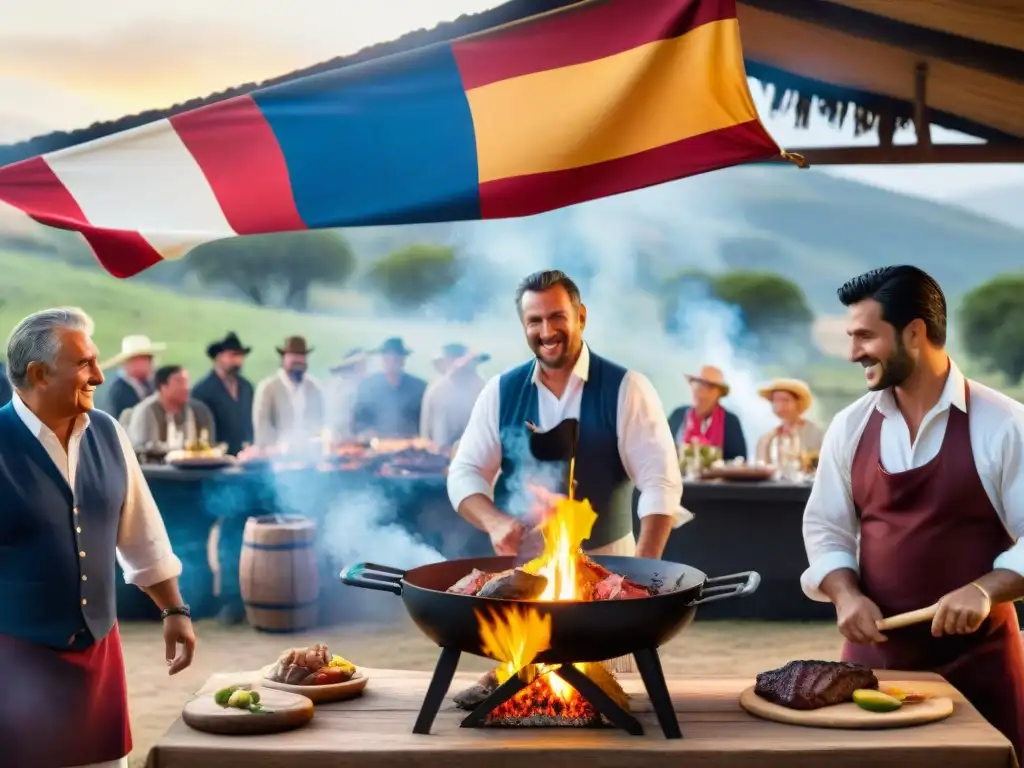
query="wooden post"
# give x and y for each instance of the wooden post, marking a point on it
(921, 123)
(886, 126)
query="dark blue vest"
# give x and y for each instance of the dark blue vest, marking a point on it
(58, 547)
(600, 476)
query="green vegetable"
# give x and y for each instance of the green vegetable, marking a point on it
(224, 694)
(240, 700)
(254, 697)
(875, 701)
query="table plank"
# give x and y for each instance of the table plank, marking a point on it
(376, 730)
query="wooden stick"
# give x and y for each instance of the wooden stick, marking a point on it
(907, 619)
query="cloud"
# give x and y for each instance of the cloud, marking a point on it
(149, 64)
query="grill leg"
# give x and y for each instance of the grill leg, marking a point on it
(649, 664)
(444, 672)
(600, 700)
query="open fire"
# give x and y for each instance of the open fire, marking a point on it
(517, 635)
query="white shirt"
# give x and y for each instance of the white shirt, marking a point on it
(447, 405)
(143, 547)
(646, 446)
(831, 529)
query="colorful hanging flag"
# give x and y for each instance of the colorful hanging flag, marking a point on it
(595, 99)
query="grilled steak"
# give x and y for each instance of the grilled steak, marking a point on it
(617, 587)
(813, 684)
(517, 585)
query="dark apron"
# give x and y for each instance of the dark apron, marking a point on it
(924, 533)
(63, 708)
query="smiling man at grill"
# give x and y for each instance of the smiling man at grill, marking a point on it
(624, 439)
(919, 501)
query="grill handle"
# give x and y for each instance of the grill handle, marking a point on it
(373, 576)
(733, 585)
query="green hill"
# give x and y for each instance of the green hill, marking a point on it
(186, 323)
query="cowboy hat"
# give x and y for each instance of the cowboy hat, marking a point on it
(352, 357)
(459, 355)
(229, 343)
(134, 346)
(710, 376)
(295, 345)
(797, 388)
(393, 346)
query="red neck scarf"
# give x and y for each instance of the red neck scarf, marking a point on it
(715, 434)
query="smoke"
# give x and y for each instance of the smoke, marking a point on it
(365, 527)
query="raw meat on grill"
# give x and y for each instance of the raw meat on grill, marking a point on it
(813, 684)
(514, 585)
(470, 583)
(616, 587)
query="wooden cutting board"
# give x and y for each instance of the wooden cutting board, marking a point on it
(849, 715)
(284, 711)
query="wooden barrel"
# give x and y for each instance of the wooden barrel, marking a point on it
(277, 573)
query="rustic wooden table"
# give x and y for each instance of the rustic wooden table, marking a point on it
(375, 731)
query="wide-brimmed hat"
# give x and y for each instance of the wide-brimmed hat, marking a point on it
(797, 388)
(711, 376)
(459, 355)
(134, 346)
(295, 345)
(229, 343)
(393, 346)
(351, 358)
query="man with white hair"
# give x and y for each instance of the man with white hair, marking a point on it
(74, 499)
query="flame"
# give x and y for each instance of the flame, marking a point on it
(517, 635)
(564, 532)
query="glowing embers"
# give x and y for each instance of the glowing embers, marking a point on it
(538, 695)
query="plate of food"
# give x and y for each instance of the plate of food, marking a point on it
(315, 673)
(837, 694)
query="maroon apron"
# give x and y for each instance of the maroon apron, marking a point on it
(924, 533)
(62, 708)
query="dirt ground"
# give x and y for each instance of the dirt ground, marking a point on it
(709, 648)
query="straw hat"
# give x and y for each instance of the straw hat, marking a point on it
(797, 388)
(711, 376)
(134, 346)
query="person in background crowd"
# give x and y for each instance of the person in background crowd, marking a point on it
(289, 405)
(227, 393)
(706, 421)
(170, 404)
(448, 401)
(342, 388)
(388, 403)
(919, 501)
(790, 399)
(134, 382)
(74, 500)
(5, 387)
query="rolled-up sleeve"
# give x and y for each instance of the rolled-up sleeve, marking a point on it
(1011, 488)
(648, 451)
(477, 460)
(143, 546)
(830, 527)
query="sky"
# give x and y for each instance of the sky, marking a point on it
(65, 64)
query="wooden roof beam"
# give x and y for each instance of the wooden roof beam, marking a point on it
(914, 154)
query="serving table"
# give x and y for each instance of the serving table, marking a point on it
(375, 731)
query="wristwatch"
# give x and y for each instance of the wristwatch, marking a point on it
(179, 610)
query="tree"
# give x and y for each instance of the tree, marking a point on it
(416, 275)
(281, 266)
(770, 304)
(771, 312)
(992, 323)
